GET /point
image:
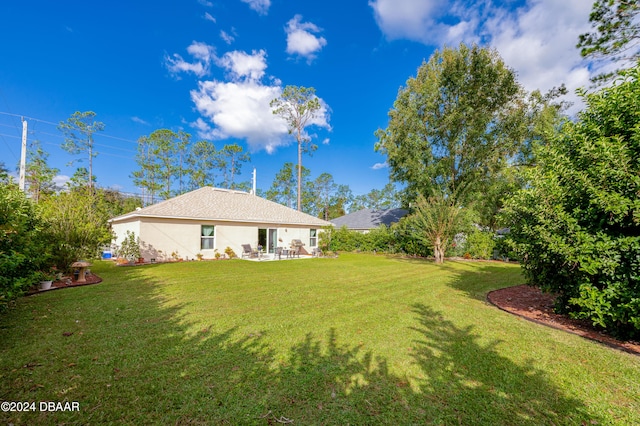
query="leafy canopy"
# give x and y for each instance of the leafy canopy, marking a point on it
(577, 223)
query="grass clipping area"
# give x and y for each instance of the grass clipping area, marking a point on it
(361, 339)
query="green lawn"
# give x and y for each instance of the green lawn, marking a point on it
(361, 339)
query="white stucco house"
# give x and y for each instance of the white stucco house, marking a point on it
(208, 218)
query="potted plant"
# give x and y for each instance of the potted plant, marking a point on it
(46, 278)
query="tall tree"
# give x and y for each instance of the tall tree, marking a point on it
(4, 173)
(298, 107)
(78, 132)
(615, 35)
(377, 199)
(80, 180)
(282, 189)
(454, 125)
(325, 189)
(182, 153)
(146, 177)
(202, 162)
(39, 176)
(231, 157)
(159, 161)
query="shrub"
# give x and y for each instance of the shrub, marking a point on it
(577, 223)
(230, 253)
(479, 244)
(24, 250)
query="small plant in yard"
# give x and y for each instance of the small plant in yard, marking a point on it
(217, 254)
(230, 253)
(130, 247)
(200, 256)
(175, 255)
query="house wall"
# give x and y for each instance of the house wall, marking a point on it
(120, 232)
(159, 238)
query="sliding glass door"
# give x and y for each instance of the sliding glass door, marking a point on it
(268, 239)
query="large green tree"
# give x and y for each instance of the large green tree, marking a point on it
(160, 158)
(78, 133)
(377, 199)
(283, 188)
(202, 162)
(454, 125)
(576, 224)
(231, 157)
(76, 224)
(615, 35)
(298, 106)
(39, 176)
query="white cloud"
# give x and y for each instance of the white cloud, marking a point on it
(240, 108)
(139, 120)
(203, 54)
(209, 17)
(326, 141)
(406, 18)
(260, 6)
(537, 39)
(243, 65)
(379, 166)
(301, 40)
(226, 37)
(205, 3)
(60, 181)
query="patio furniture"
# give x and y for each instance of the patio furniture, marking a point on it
(277, 254)
(296, 246)
(316, 252)
(248, 251)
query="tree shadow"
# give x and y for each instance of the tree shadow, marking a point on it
(139, 360)
(473, 384)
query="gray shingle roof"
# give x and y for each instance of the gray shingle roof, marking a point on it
(210, 203)
(369, 219)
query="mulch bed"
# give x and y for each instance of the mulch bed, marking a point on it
(532, 304)
(68, 282)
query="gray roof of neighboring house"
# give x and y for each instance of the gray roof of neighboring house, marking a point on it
(208, 203)
(369, 219)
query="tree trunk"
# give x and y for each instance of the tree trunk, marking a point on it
(438, 252)
(299, 172)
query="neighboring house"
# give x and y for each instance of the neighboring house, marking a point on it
(208, 218)
(367, 219)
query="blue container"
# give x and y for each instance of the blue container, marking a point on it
(106, 255)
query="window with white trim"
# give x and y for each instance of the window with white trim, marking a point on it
(313, 237)
(207, 236)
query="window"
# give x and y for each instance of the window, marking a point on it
(313, 237)
(207, 235)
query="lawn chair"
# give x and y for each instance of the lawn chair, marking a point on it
(248, 252)
(316, 252)
(277, 254)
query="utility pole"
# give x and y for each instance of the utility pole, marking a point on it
(23, 155)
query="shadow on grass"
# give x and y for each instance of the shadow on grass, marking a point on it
(475, 277)
(138, 361)
(476, 385)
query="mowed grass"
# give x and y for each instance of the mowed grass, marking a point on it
(361, 340)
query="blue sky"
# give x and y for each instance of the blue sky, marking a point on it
(210, 68)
